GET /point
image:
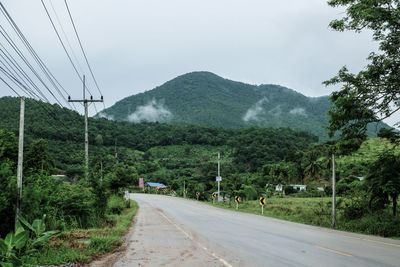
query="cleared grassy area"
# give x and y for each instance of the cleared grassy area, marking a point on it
(317, 211)
(82, 246)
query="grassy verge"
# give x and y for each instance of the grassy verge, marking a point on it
(83, 246)
(317, 212)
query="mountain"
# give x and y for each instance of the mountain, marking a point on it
(63, 130)
(203, 98)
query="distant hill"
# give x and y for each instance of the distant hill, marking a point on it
(63, 130)
(203, 98)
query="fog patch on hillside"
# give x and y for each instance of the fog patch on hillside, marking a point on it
(106, 116)
(151, 112)
(255, 111)
(298, 111)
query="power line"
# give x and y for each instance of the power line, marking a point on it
(83, 51)
(12, 63)
(63, 45)
(38, 60)
(26, 90)
(10, 87)
(19, 53)
(65, 36)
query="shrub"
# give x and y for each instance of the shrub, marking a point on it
(290, 190)
(115, 205)
(356, 205)
(74, 204)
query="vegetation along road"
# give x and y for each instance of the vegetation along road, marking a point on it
(174, 231)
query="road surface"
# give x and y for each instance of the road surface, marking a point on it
(172, 231)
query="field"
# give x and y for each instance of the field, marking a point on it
(317, 211)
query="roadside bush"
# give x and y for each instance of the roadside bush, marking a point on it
(356, 205)
(115, 205)
(290, 190)
(382, 224)
(8, 185)
(72, 205)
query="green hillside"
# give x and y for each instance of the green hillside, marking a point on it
(63, 131)
(203, 98)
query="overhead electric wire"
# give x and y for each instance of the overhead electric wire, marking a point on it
(10, 64)
(18, 51)
(20, 54)
(63, 45)
(25, 89)
(13, 64)
(38, 60)
(10, 87)
(83, 51)
(66, 37)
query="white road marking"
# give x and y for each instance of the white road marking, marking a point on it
(224, 262)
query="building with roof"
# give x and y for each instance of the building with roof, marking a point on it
(156, 185)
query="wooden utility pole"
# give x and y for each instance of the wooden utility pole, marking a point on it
(20, 159)
(85, 102)
(333, 224)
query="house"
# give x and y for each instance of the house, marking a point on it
(156, 185)
(299, 187)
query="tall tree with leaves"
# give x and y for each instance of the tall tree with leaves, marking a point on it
(374, 93)
(384, 180)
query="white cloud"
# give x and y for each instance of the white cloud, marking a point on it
(298, 111)
(153, 111)
(104, 115)
(253, 112)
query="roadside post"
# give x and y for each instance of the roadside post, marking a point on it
(213, 197)
(218, 178)
(197, 195)
(237, 200)
(262, 203)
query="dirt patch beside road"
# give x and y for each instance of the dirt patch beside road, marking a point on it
(155, 240)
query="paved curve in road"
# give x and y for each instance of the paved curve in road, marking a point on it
(222, 237)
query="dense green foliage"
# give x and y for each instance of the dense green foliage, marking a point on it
(203, 98)
(373, 93)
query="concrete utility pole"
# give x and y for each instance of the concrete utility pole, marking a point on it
(333, 224)
(20, 158)
(85, 102)
(115, 149)
(219, 175)
(184, 189)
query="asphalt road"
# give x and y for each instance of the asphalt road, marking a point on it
(218, 237)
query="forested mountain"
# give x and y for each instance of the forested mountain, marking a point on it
(203, 98)
(63, 130)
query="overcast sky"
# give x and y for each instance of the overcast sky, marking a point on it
(135, 45)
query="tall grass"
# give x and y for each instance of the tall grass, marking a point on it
(82, 245)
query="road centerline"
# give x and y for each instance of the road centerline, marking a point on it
(334, 251)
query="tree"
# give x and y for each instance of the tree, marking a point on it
(121, 176)
(37, 158)
(311, 165)
(374, 93)
(384, 179)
